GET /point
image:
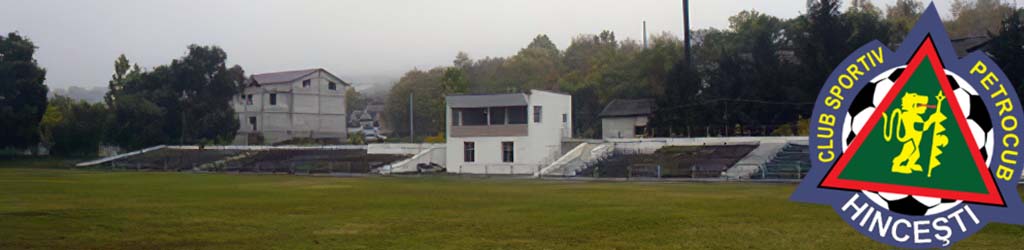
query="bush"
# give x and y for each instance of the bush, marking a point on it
(439, 138)
(356, 138)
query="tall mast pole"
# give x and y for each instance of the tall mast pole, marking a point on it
(686, 30)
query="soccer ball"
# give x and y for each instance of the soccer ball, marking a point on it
(970, 104)
(910, 204)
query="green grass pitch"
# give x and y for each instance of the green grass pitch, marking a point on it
(65, 209)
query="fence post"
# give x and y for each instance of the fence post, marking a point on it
(659, 171)
(485, 170)
(511, 169)
(629, 172)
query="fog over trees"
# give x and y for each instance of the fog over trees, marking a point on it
(758, 76)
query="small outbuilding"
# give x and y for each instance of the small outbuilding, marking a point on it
(626, 118)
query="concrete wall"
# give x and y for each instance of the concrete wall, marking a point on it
(401, 148)
(649, 145)
(434, 155)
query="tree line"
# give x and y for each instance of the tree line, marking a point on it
(760, 75)
(187, 101)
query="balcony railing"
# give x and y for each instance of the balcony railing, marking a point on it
(490, 130)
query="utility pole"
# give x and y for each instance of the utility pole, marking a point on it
(686, 30)
(645, 34)
(412, 131)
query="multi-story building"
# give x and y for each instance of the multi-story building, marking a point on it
(279, 106)
(515, 133)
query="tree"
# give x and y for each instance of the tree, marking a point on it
(901, 18)
(454, 81)
(536, 66)
(427, 94)
(121, 75)
(354, 100)
(137, 123)
(972, 18)
(1007, 48)
(77, 127)
(191, 96)
(22, 93)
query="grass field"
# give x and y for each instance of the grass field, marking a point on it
(65, 209)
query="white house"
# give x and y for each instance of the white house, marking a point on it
(278, 106)
(626, 118)
(506, 133)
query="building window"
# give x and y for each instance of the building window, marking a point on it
(306, 83)
(252, 122)
(332, 86)
(456, 117)
(273, 99)
(536, 114)
(468, 151)
(565, 118)
(507, 154)
(517, 115)
(248, 100)
(499, 116)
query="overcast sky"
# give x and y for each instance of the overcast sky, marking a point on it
(361, 41)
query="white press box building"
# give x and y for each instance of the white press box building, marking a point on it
(515, 133)
(278, 106)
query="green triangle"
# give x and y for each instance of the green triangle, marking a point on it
(873, 161)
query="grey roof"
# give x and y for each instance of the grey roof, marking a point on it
(481, 101)
(287, 76)
(375, 108)
(628, 107)
(966, 45)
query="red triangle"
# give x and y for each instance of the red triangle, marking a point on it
(925, 51)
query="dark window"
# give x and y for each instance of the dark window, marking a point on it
(252, 122)
(306, 83)
(273, 99)
(474, 116)
(536, 114)
(565, 118)
(517, 115)
(498, 115)
(639, 131)
(456, 119)
(507, 154)
(468, 151)
(248, 100)
(332, 86)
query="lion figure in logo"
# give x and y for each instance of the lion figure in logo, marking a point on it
(909, 120)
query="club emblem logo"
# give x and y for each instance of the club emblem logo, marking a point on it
(916, 148)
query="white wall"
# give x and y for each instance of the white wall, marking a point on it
(541, 146)
(618, 127)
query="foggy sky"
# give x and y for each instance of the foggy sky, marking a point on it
(361, 41)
